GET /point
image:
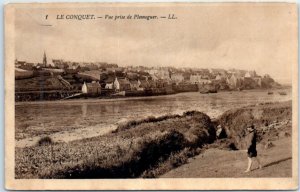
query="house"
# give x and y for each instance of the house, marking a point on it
(152, 84)
(217, 71)
(232, 81)
(19, 63)
(109, 82)
(27, 66)
(134, 84)
(247, 75)
(94, 74)
(132, 76)
(71, 71)
(258, 80)
(92, 89)
(253, 73)
(144, 84)
(63, 66)
(75, 66)
(121, 84)
(204, 81)
(57, 62)
(160, 73)
(219, 77)
(177, 77)
(162, 83)
(195, 79)
(91, 66)
(40, 65)
(154, 77)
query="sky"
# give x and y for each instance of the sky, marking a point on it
(261, 37)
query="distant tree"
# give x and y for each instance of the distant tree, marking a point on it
(267, 82)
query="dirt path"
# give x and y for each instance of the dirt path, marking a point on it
(277, 162)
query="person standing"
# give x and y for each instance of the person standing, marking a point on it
(251, 147)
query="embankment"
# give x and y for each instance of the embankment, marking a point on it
(130, 151)
(145, 148)
(264, 116)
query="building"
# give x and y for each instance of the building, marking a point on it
(152, 84)
(204, 81)
(94, 74)
(159, 73)
(19, 63)
(235, 82)
(45, 60)
(144, 84)
(162, 83)
(134, 84)
(248, 75)
(195, 79)
(93, 89)
(218, 77)
(121, 84)
(59, 63)
(109, 82)
(232, 81)
(177, 77)
(258, 80)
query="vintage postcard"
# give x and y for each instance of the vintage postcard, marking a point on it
(151, 96)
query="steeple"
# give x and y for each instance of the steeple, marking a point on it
(45, 60)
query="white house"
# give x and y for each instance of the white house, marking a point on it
(194, 79)
(177, 77)
(109, 85)
(247, 75)
(93, 88)
(121, 84)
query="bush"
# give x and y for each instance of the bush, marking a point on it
(150, 119)
(191, 113)
(45, 141)
(235, 121)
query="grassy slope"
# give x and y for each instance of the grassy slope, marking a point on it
(151, 147)
(219, 161)
(123, 154)
(263, 116)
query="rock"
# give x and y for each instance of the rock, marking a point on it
(221, 133)
(284, 134)
(269, 145)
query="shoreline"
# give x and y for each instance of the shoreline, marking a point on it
(125, 98)
(129, 145)
(93, 100)
(94, 131)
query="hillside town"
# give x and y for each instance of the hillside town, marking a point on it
(58, 79)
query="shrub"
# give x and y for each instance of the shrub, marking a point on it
(45, 141)
(150, 119)
(191, 113)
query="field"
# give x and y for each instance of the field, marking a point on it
(128, 152)
(153, 146)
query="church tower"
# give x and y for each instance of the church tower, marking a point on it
(45, 60)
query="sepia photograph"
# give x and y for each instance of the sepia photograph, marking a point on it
(159, 96)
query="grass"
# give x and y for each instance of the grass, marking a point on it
(151, 119)
(129, 152)
(262, 116)
(173, 161)
(144, 148)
